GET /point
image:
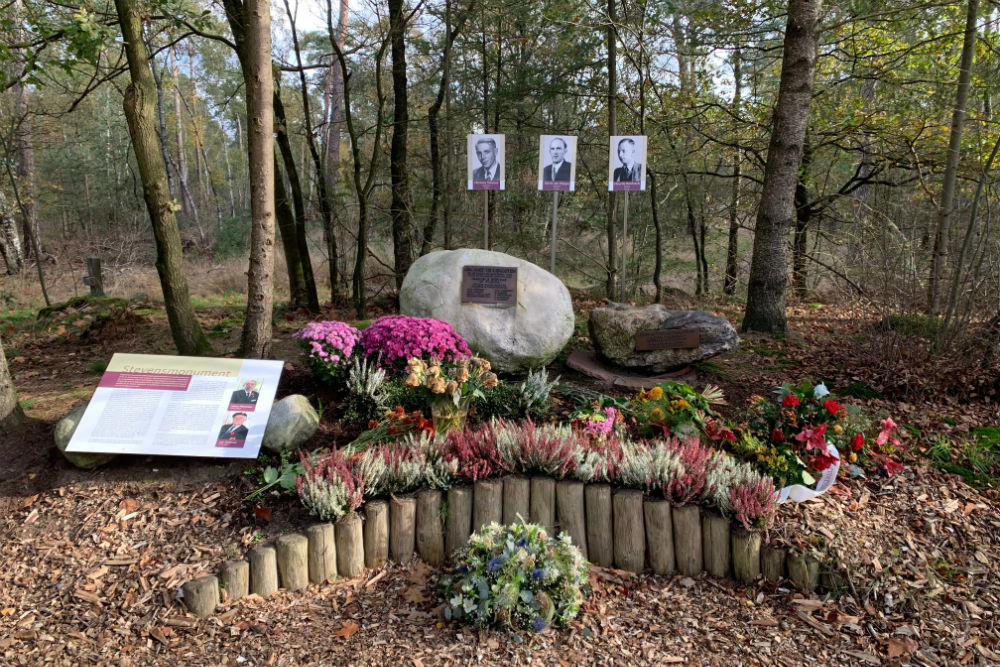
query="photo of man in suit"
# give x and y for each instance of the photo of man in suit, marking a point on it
(560, 168)
(248, 395)
(235, 431)
(630, 171)
(486, 153)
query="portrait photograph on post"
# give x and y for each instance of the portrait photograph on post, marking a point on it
(626, 163)
(557, 163)
(485, 162)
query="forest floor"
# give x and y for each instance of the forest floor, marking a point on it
(94, 559)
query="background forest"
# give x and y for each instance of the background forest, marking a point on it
(894, 189)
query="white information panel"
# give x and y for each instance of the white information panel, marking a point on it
(179, 406)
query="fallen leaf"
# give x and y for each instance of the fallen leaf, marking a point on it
(347, 628)
(263, 513)
(901, 647)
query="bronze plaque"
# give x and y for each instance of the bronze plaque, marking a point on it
(666, 339)
(492, 285)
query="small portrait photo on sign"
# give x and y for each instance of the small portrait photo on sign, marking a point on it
(626, 163)
(485, 162)
(557, 163)
(246, 396)
(234, 432)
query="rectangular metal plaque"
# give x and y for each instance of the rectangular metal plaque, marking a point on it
(493, 285)
(666, 339)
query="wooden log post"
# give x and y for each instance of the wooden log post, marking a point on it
(293, 561)
(542, 509)
(235, 578)
(746, 555)
(570, 513)
(95, 278)
(458, 525)
(487, 503)
(402, 528)
(516, 499)
(687, 539)
(201, 595)
(630, 534)
(322, 553)
(600, 526)
(772, 563)
(803, 572)
(263, 571)
(659, 536)
(349, 535)
(430, 534)
(715, 544)
(376, 533)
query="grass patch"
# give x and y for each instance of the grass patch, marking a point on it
(913, 324)
(860, 390)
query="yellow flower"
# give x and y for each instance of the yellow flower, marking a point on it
(853, 457)
(412, 380)
(656, 393)
(656, 415)
(838, 429)
(679, 404)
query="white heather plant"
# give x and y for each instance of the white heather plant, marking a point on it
(534, 397)
(328, 487)
(366, 392)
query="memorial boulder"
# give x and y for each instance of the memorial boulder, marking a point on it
(655, 339)
(64, 433)
(514, 313)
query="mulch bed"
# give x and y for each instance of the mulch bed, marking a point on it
(93, 566)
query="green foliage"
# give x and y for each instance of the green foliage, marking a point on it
(232, 238)
(274, 479)
(672, 408)
(516, 577)
(913, 324)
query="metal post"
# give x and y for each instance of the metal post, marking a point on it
(555, 214)
(486, 219)
(624, 267)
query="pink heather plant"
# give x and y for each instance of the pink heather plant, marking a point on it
(691, 485)
(329, 487)
(398, 338)
(329, 345)
(753, 503)
(473, 452)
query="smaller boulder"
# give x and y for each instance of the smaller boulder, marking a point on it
(613, 329)
(64, 433)
(292, 422)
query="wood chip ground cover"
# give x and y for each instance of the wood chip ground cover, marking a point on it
(92, 563)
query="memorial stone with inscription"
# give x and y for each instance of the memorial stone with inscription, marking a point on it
(511, 311)
(655, 339)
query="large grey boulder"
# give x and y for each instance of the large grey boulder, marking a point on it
(613, 329)
(64, 433)
(292, 422)
(528, 335)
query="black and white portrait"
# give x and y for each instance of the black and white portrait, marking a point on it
(626, 162)
(485, 162)
(556, 162)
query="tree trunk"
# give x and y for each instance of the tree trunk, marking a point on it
(10, 409)
(10, 244)
(325, 196)
(139, 98)
(25, 148)
(943, 228)
(733, 247)
(400, 208)
(765, 310)
(187, 201)
(331, 139)
(612, 285)
(250, 22)
(289, 245)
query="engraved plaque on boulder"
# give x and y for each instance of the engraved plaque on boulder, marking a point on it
(667, 339)
(490, 285)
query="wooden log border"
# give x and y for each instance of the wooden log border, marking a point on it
(632, 524)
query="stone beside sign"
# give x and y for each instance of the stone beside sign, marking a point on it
(490, 285)
(667, 339)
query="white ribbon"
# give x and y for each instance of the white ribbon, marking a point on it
(798, 493)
